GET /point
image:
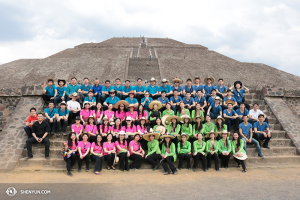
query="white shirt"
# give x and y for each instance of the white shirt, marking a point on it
(73, 105)
(255, 114)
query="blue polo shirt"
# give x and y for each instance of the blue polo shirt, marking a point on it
(187, 89)
(216, 110)
(239, 95)
(50, 113)
(86, 88)
(176, 100)
(147, 103)
(71, 89)
(208, 89)
(246, 112)
(229, 114)
(50, 91)
(63, 113)
(245, 129)
(109, 100)
(179, 88)
(126, 90)
(200, 100)
(116, 88)
(211, 100)
(190, 102)
(196, 88)
(259, 127)
(133, 101)
(90, 100)
(232, 98)
(97, 89)
(139, 89)
(222, 90)
(60, 90)
(167, 88)
(163, 101)
(152, 90)
(105, 89)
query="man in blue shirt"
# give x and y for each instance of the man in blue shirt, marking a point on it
(112, 99)
(221, 89)
(118, 88)
(238, 92)
(209, 86)
(49, 92)
(139, 90)
(189, 101)
(132, 100)
(61, 92)
(167, 88)
(188, 87)
(245, 129)
(146, 101)
(230, 97)
(164, 100)
(197, 86)
(72, 88)
(97, 89)
(105, 90)
(215, 110)
(175, 101)
(241, 112)
(50, 114)
(62, 118)
(262, 131)
(231, 118)
(153, 89)
(126, 89)
(176, 85)
(84, 89)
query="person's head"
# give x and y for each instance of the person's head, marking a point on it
(105, 121)
(147, 94)
(141, 107)
(183, 138)
(175, 92)
(91, 120)
(73, 80)
(198, 106)
(61, 83)
(158, 121)
(237, 84)
(131, 108)
(199, 136)
(118, 81)
(164, 82)
(229, 93)
(151, 137)
(197, 80)
(245, 118)
(90, 93)
(220, 81)
(189, 81)
(99, 106)
(122, 137)
(143, 121)
(176, 83)
(224, 134)
(163, 93)
(229, 105)
(208, 81)
(255, 106)
(131, 94)
(72, 137)
(85, 137)
(50, 82)
(174, 121)
(97, 82)
(51, 104)
(112, 93)
(199, 93)
(242, 106)
(167, 139)
(217, 100)
(212, 136)
(86, 81)
(137, 137)
(188, 94)
(109, 137)
(74, 96)
(40, 116)
(261, 117)
(33, 111)
(168, 106)
(107, 83)
(77, 120)
(181, 105)
(155, 107)
(235, 136)
(117, 121)
(87, 105)
(98, 138)
(213, 92)
(207, 118)
(152, 82)
(63, 106)
(128, 121)
(110, 106)
(139, 81)
(219, 120)
(127, 83)
(186, 120)
(198, 120)
(121, 106)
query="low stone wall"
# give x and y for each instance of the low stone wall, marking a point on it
(7, 106)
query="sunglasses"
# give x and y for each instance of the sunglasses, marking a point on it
(84, 146)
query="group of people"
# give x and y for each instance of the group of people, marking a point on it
(156, 124)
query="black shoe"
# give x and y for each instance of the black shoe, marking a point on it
(155, 167)
(166, 173)
(87, 169)
(169, 171)
(244, 171)
(180, 168)
(267, 147)
(79, 169)
(47, 157)
(189, 168)
(127, 169)
(238, 166)
(208, 168)
(69, 173)
(139, 168)
(222, 166)
(122, 170)
(194, 169)
(205, 170)
(217, 169)
(260, 155)
(28, 157)
(175, 172)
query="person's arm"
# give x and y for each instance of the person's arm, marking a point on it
(256, 131)
(208, 111)
(251, 134)
(195, 147)
(135, 152)
(44, 88)
(156, 143)
(229, 146)
(241, 134)
(178, 148)
(203, 147)
(233, 146)
(246, 89)
(47, 116)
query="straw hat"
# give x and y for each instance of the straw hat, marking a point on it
(147, 136)
(122, 133)
(225, 131)
(197, 77)
(159, 105)
(131, 92)
(91, 116)
(242, 156)
(198, 116)
(163, 119)
(74, 94)
(132, 105)
(217, 98)
(211, 132)
(167, 135)
(160, 129)
(153, 79)
(229, 101)
(164, 80)
(187, 136)
(126, 104)
(211, 78)
(185, 117)
(177, 79)
(169, 119)
(144, 118)
(219, 117)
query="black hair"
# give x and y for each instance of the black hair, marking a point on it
(245, 116)
(220, 79)
(118, 79)
(238, 140)
(159, 119)
(165, 143)
(181, 143)
(228, 90)
(175, 90)
(120, 140)
(111, 136)
(120, 125)
(51, 102)
(103, 125)
(90, 91)
(169, 104)
(107, 81)
(86, 78)
(85, 134)
(39, 114)
(139, 112)
(163, 91)
(32, 109)
(242, 103)
(127, 81)
(189, 80)
(131, 124)
(255, 104)
(199, 90)
(74, 78)
(101, 142)
(188, 92)
(218, 125)
(70, 143)
(139, 79)
(179, 109)
(230, 103)
(260, 115)
(198, 128)
(213, 90)
(119, 108)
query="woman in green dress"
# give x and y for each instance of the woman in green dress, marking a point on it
(187, 128)
(212, 147)
(197, 111)
(220, 127)
(184, 150)
(182, 110)
(154, 153)
(199, 152)
(168, 110)
(168, 154)
(224, 149)
(238, 151)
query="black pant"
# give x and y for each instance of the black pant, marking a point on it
(202, 158)
(110, 159)
(169, 160)
(28, 131)
(71, 161)
(224, 159)
(87, 161)
(137, 161)
(153, 158)
(184, 156)
(123, 161)
(240, 162)
(92, 139)
(65, 124)
(98, 162)
(234, 122)
(139, 97)
(72, 116)
(215, 157)
(46, 98)
(52, 125)
(32, 140)
(259, 137)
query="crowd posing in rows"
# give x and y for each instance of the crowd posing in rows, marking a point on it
(153, 124)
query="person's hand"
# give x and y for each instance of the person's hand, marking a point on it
(203, 153)
(81, 156)
(233, 117)
(189, 153)
(247, 140)
(146, 156)
(142, 155)
(82, 92)
(69, 152)
(62, 98)
(195, 135)
(265, 134)
(195, 153)
(237, 154)
(44, 85)
(128, 154)
(250, 140)
(212, 153)
(84, 123)
(269, 134)
(40, 140)
(109, 152)
(95, 94)
(223, 153)
(51, 120)
(51, 98)
(65, 144)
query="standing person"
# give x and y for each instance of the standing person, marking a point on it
(90, 98)
(262, 131)
(238, 93)
(30, 121)
(184, 150)
(118, 88)
(163, 100)
(168, 154)
(49, 91)
(221, 89)
(139, 90)
(71, 147)
(246, 134)
(220, 127)
(77, 128)
(188, 87)
(105, 90)
(73, 107)
(176, 85)
(255, 112)
(153, 89)
(86, 112)
(97, 90)
(84, 152)
(50, 114)
(154, 106)
(175, 101)
(197, 86)
(72, 88)
(40, 130)
(109, 149)
(84, 89)
(60, 91)
(146, 100)
(199, 152)
(224, 149)
(154, 153)
(131, 99)
(122, 150)
(112, 99)
(182, 110)
(209, 86)
(136, 152)
(127, 89)
(62, 118)
(238, 151)
(231, 118)
(215, 109)
(91, 128)
(166, 88)
(212, 148)
(97, 154)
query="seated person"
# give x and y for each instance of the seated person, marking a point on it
(209, 86)
(207, 127)
(175, 101)
(72, 88)
(230, 117)
(131, 100)
(127, 89)
(154, 113)
(61, 92)
(139, 90)
(202, 100)
(262, 131)
(118, 88)
(132, 113)
(30, 121)
(163, 100)
(230, 98)
(211, 98)
(84, 89)
(238, 93)
(90, 98)
(73, 107)
(241, 112)
(40, 130)
(105, 90)
(86, 112)
(146, 101)
(97, 89)
(255, 112)
(50, 114)
(197, 86)
(49, 91)
(189, 101)
(188, 87)
(112, 99)
(215, 109)
(176, 85)
(182, 110)
(153, 89)
(62, 118)
(166, 88)
(168, 110)
(221, 89)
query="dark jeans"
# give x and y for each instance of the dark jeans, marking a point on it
(137, 161)
(28, 131)
(224, 159)
(64, 127)
(52, 125)
(71, 161)
(215, 157)
(110, 158)
(98, 162)
(155, 96)
(46, 98)
(175, 108)
(72, 116)
(98, 98)
(32, 140)
(58, 100)
(123, 161)
(184, 156)
(240, 162)
(86, 159)
(259, 137)
(168, 161)
(103, 97)
(152, 158)
(139, 97)
(232, 122)
(198, 157)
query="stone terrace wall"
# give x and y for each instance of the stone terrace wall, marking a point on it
(7, 107)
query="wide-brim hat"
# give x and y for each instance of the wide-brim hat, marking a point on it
(147, 136)
(126, 104)
(241, 157)
(50, 79)
(63, 103)
(169, 119)
(230, 101)
(144, 118)
(237, 83)
(163, 119)
(187, 136)
(201, 117)
(211, 132)
(91, 116)
(164, 80)
(62, 81)
(185, 117)
(131, 92)
(159, 105)
(217, 98)
(211, 78)
(225, 131)
(219, 117)
(86, 102)
(152, 79)
(160, 129)
(177, 79)
(132, 105)
(122, 133)
(105, 118)
(75, 94)
(197, 77)
(167, 135)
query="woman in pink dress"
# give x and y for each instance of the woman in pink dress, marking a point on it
(109, 152)
(71, 147)
(97, 154)
(122, 150)
(136, 152)
(86, 112)
(99, 114)
(84, 152)
(91, 128)
(104, 128)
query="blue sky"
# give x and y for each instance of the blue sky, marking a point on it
(248, 31)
